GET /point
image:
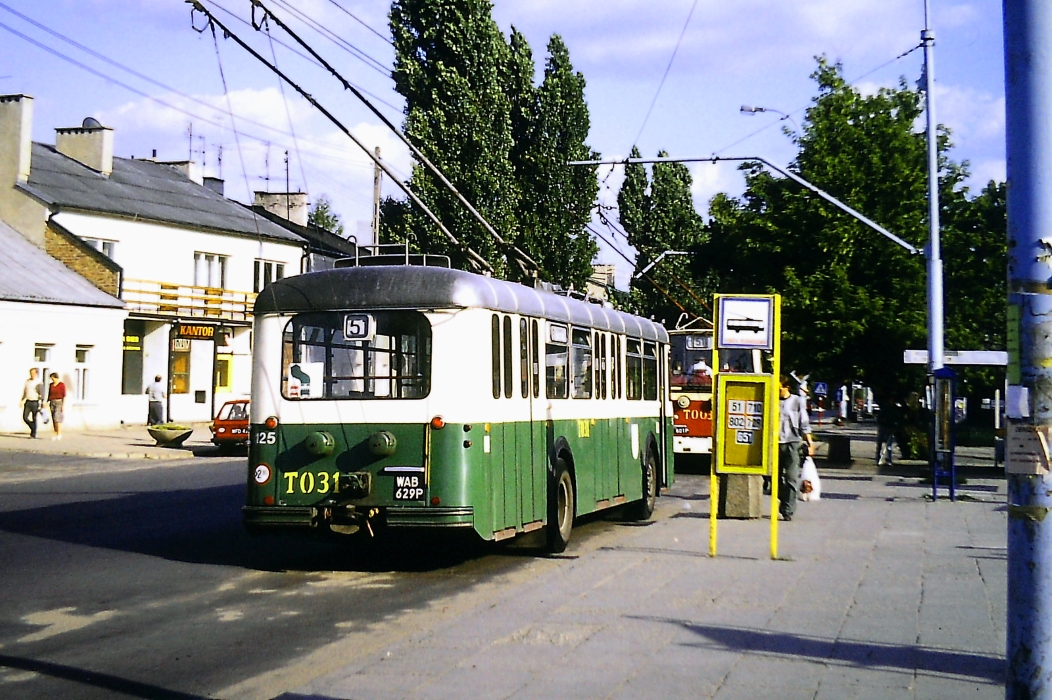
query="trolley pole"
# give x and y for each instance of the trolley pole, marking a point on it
(1028, 100)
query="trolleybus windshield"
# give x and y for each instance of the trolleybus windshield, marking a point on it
(690, 359)
(343, 355)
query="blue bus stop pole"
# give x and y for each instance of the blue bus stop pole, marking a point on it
(1028, 102)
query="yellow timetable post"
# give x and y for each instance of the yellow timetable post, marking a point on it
(745, 405)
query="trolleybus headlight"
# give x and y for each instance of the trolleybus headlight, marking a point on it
(683, 402)
(271, 422)
(437, 423)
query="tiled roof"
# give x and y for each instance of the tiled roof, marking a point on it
(27, 273)
(142, 189)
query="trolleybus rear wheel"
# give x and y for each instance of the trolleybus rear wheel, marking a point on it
(560, 508)
(644, 508)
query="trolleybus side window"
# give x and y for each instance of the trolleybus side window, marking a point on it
(535, 345)
(650, 372)
(581, 349)
(634, 370)
(603, 362)
(495, 363)
(507, 358)
(335, 355)
(598, 364)
(524, 358)
(618, 372)
(556, 361)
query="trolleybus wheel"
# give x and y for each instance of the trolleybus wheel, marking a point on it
(560, 508)
(643, 509)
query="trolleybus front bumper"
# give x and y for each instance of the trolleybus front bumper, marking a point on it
(258, 518)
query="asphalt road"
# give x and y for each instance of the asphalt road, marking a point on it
(143, 584)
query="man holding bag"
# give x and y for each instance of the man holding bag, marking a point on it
(794, 429)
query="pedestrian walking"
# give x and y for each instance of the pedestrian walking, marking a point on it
(56, 398)
(31, 401)
(794, 430)
(843, 397)
(889, 425)
(157, 393)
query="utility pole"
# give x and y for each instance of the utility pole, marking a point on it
(377, 178)
(1028, 129)
(936, 351)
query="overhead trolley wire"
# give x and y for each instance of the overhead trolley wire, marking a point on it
(473, 257)
(667, 69)
(342, 43)
(521, 257)
(360, 21)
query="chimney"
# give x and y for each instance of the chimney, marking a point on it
(190, 170)
(16, 143)
(215, 184)
(89, 144)
(288, 205)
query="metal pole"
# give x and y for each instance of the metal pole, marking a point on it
(377, 178)
(935, 315)
(1028, 128)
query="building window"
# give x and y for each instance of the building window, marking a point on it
(107, 248)
(42, 353)
(82, 372)
(210, 270)
(181, 366)
(131, 371)
(224, 379)
(266, 271)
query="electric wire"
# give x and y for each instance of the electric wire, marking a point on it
(647, 277)
(360, 21)
(146, 78)
(472, 256)
(667, 69)
(288, 114)
(339, 41)
(524, 261)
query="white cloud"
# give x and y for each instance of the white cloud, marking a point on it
(712, 178)
(331, 164)
(984, 171)
(972, 114)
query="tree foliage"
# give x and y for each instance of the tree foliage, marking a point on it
(658, 215)
(853, 300)
(322, 216)
(473, 109)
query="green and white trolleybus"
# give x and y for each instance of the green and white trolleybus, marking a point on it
(407, 396)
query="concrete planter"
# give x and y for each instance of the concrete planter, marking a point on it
(169, 436)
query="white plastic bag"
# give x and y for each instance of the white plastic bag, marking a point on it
(810, 485)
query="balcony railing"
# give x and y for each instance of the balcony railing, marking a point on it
(186, 300)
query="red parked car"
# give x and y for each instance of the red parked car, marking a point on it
(230, 427)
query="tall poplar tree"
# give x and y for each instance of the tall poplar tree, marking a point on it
(450, 63)
(473, 108)
(659, 216)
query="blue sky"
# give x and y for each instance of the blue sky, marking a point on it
(752, 52)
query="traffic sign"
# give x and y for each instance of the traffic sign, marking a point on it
(821, 389)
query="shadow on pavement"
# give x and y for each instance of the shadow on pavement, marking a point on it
(103, 681)
(846, 652)
(203, 526)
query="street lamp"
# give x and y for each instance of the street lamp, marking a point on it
(750, 110)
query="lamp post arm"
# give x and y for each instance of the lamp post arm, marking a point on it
(787, 173)
(656, 261)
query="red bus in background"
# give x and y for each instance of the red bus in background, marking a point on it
(690, 367)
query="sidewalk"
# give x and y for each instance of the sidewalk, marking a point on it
(126, 442)
(879, 593)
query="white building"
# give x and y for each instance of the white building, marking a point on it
(57, 321)
(188, 262)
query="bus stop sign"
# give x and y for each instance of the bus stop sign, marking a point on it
(744, 423)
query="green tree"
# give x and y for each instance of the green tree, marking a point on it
(472, 107)
(450, 62)
(659, 216)
(322, 216)
(852, 300)
(556, 199)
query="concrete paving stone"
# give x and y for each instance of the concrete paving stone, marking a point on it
(666, 683)
(495, 682)
(942, 688)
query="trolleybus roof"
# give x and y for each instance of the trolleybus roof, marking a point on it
(416, 287)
